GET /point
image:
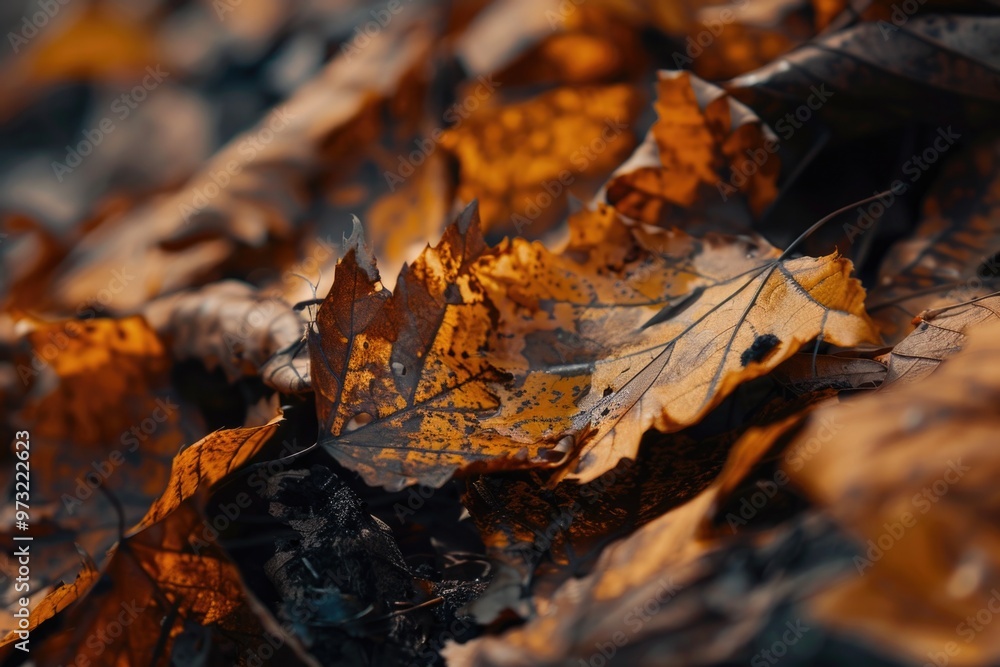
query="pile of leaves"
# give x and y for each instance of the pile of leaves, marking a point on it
(523, 332)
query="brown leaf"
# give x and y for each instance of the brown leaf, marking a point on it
(231, 325)
(936, 68)
(551, 42)
(518, 357)
(204, 463)
(105, 423)
(952, 254)
(549, 534)
(521, 160)
(162, 592)
(174, 241)
(921, 507)
(699, 152)
(939, 335)
(806, 372)
(635, 596)
(57, 599)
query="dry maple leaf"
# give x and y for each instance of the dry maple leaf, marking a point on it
(705, 148)
(163, 596)
(514, 356)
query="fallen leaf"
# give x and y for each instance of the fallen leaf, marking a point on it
(939, 335)
(105, 423)
(231, 325)
(952, 254)
(204, 463)
(919, 507)
(938, 69)
(236, 201)
(157, 589)
(565, 366)
(521, 160)
(704, 148)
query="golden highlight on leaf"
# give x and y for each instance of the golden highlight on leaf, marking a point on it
(521, 160)
(705, 147)
(487, 358)
(204, 463)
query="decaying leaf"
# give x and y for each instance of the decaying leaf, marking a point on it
(806, 372)
(467, 366)
(952, 255)
(644, 591)
(520, 161)
(937, 68)
(549, 534)
(161, 594)
(921, 507)
(59, 598)
(105, 423)
(233, 326)
(940, 334)
(203, 464)
(555, 43)
(705, 148)
(235, 202)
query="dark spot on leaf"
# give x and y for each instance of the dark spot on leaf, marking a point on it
(762, 346)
